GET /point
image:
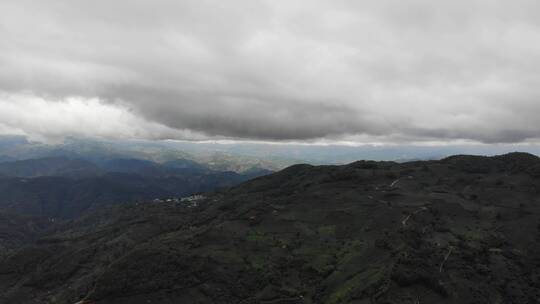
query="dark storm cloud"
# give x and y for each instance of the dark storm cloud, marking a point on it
(384, 71)
(244, 115)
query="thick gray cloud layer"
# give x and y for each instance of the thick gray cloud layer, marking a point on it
(383, 71)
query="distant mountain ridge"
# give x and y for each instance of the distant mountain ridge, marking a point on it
(61, 187)
(49, 166)
(4, 158)
(97, 151)
(74, 167)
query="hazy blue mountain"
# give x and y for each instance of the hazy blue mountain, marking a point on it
(5, 158)
(131, 165)
(9, 141)
(50, 166)
(240, 157)
(101, 151)
(184, 164)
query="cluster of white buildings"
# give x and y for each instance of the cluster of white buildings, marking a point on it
(190, 201)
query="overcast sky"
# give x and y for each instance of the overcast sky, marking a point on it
(360, 71)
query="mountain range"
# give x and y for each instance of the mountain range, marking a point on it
(464, 229)
(216, 158)
(62, 187)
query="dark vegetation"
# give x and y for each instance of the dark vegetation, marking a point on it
(62, 187)
(461, 230)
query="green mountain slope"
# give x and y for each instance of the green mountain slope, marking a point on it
(460, 230)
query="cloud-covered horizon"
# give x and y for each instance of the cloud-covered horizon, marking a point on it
(364, 71)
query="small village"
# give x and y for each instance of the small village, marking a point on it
(187, 201)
